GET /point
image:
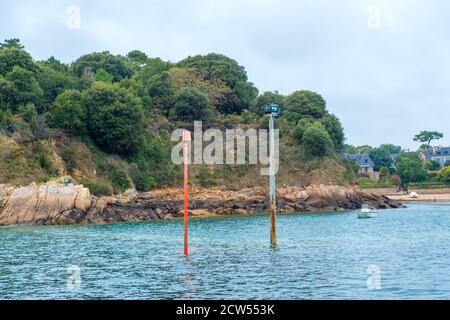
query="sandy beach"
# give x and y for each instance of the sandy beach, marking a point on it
(426, 195)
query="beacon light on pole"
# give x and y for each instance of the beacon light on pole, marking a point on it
(273, 109)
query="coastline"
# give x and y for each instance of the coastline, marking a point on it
(422, 198)
(73, 204)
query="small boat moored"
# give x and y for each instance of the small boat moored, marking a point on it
(366, 213)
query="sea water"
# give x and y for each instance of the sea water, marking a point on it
(401, 254)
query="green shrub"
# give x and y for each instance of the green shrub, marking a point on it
(432, 165)
(301, 127)
(115, 118)
(334, 128)
(119, 177)
(444, 175)
(207, 178)
(143, 181)
(69, 113)
(232, 120)
(6, 119)
(366, 183)
(68, 156)
(248, 117)
(44, 159)
(410, 169)
(429, 185)
(99, 187)
(154, 158)
(316, 140)
(190, 104)
(306, 103)
(22, 87)
(29, 115)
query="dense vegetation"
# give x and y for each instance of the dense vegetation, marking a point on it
(106, 120)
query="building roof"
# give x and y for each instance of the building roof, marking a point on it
(436, 153)
(363, 160)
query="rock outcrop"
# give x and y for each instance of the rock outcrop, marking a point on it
(45, 204)
(59, 205)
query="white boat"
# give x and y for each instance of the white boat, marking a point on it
(365, 212)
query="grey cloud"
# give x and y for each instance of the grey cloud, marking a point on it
(385, 84)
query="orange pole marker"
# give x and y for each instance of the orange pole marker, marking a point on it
(186, 150)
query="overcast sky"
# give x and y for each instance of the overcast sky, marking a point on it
(382, 66)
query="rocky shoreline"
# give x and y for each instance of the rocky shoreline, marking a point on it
(56, 204)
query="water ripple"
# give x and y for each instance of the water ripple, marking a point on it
(319, 256)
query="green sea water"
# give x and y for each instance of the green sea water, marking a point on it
(402, 254)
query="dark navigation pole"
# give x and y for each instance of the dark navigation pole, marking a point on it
(273, 111)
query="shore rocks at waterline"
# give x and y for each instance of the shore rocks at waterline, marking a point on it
(45, 204)
(55, 204)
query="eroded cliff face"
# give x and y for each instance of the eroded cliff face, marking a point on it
(54, 204)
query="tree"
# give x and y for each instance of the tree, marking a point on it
(259, 104)
(363, 149)
(69, 113)
(190, 104)
(55, 64)
(432, 165)
(5, 119)
(216, 89)
(301, 127)
(152, 68)
(246, 92)
(384, 171)
(13, 57)
(215, 65)
(138, 58)
(29, 114)
(444, 175)
(116, 66)
(410, 169)
(306, 103)
(316, 140)
(25, 88)
(115, 118)
(11, 44)
(6, 94)
(391, 149)
(161, 91)
(103, 75)
(52, 83)
(428, 136)
(335, 130)
(381, 157)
